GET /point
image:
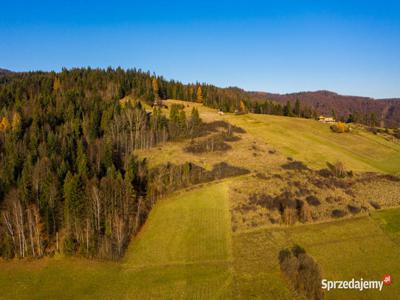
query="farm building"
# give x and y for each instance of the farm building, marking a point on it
(326, 119)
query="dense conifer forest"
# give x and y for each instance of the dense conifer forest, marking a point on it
(69, 179)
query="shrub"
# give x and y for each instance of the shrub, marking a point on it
(70, 246)
(295, 165)
(312, 200)
(353, 209)
(297, 250)
(375, 205)
(211, 144)
(338, 213)
(302, 271)
(338, 169)
(284, 254)
(340, 127)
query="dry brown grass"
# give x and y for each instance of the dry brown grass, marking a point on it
(248, 151)
(260, 200)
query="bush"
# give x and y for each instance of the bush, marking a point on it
(211, 144)
(284, 254)
(295, 165)
(340, 127)
(375, 205)
(338, 213)
(70, 246)
(353, 209)
(312, 200)
(6, 247)
(297, 250)
(338, 169)
(302, 271)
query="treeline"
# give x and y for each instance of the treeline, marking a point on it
(275, 108)
(69, 180)
(300, 110)
(167, 178)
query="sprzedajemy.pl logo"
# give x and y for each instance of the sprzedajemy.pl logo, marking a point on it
(359, 284)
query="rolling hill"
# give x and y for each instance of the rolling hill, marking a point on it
(210, 241)
(326, 102)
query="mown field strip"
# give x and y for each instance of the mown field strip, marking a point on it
(189, 227)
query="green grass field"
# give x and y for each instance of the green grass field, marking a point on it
(183, 252)
(186, 249)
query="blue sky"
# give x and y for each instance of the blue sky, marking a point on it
(351, 47)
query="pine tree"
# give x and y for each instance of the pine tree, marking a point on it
(297, 108)
(82, 161)
(195, 122)
(373, 120)
(287, 110)
(155, 90)
(74, 199)
(182, 123)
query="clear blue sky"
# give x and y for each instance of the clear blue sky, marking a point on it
(351, 47)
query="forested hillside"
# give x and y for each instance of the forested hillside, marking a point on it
(385, 112)
(68, 177)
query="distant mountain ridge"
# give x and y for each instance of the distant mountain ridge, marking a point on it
(5, 71)
(329, 103)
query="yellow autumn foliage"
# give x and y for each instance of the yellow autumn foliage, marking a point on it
(199, 96)
(4, 124)
(340, 127)
(16, 121)
(243, 108)
(56, 84)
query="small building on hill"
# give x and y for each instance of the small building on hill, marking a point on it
(328, 120)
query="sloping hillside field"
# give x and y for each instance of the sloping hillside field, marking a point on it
(187, 251)
(223, 239)
(314, 143)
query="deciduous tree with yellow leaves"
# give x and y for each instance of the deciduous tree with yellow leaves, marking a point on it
(199, 95)
(4, 124)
